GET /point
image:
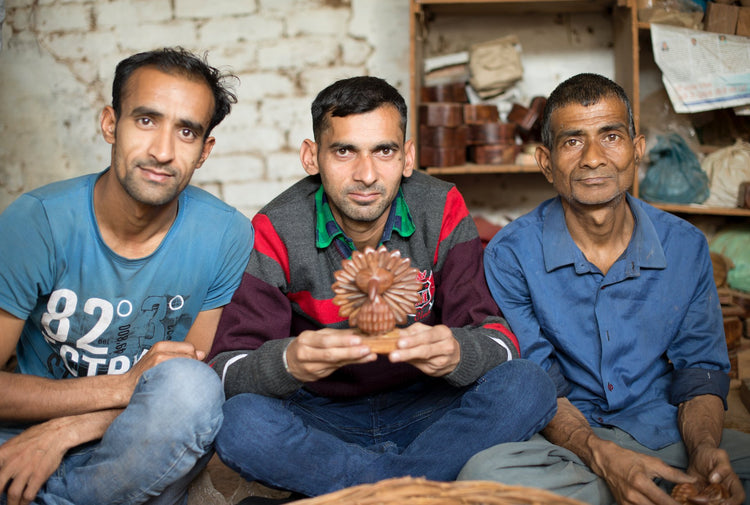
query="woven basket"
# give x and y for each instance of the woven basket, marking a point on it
(413, 491)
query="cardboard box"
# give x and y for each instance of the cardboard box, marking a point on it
(734, 363)
(745, 393)
(733, 332)
(721, 18)
(743, 22)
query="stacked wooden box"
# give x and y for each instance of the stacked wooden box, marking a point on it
(442, 132)
(724, 17)
(735, 307)
(490, 142)
(529, 119)
(453, 131)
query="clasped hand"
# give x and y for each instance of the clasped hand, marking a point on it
(713, 466)
(28, 459)
(630, 475)
(314, 355)
(159, 353)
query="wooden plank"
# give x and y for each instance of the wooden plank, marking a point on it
(515, 6)
(416, 69)
(627, 63)
(483, 169)
(701, 209)
(745, 393)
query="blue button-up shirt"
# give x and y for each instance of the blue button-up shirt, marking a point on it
(627, 347)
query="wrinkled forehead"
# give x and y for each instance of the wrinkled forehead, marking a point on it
(609, 109)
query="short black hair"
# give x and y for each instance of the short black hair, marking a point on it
(178, 61)
(355, 95)
(583, 89)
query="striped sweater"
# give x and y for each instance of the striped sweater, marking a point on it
(286, 289)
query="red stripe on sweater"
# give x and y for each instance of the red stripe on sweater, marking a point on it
(323, 311)
(268, 242)
(454, 211)
(505, 331)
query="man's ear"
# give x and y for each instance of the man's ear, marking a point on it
(639, 145)
(410, 154)
(542, 157)
(108, 122)
(308, 155)
(208, 145)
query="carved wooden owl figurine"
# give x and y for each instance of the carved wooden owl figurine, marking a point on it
(376, 290)
(699, 494)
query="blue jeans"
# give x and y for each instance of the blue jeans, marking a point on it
(152, 450)
(315, 445)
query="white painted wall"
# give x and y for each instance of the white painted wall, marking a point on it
(58, 59)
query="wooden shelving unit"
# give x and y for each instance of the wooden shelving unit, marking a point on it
(626, 50)
(424, 12)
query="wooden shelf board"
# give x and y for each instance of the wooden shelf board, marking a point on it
(701, 209)
(471, 7)
(482, 169)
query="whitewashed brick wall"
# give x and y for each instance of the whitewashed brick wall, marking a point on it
(58, 58)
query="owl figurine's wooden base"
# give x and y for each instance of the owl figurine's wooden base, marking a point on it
(381, 344)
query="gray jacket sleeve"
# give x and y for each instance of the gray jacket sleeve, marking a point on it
(481, 351)
(260, 371)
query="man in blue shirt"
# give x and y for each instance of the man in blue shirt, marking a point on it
(111, 288)
(616, 300)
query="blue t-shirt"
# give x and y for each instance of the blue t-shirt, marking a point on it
(89, 311)
(625, 347)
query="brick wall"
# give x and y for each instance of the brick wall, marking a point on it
(58, 57)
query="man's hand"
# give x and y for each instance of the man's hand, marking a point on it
(630, 475)
(159, 353)
(701, 422)
(314, 355)
(28, 459)
(712, 465)
(432, 349)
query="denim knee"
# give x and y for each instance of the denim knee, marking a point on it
(525, 380)
(247, 417)
(525, 374)
(185, 396)
(254, 427)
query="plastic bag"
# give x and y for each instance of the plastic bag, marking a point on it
(675, 174)
(727, 168)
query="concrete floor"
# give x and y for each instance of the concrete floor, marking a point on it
(219, 485)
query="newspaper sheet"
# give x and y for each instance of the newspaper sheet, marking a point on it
(702, 70)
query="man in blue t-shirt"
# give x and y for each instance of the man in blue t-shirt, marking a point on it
(116, 281)
(617, 301)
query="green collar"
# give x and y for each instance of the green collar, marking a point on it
(327, 229)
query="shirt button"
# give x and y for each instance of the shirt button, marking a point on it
(600, 419)
(610, 386)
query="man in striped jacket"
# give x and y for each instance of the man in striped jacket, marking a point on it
(310, 407)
